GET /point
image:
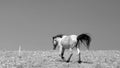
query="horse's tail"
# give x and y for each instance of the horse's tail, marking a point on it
(85, 39)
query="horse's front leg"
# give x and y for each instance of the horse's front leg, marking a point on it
(70, 55)
(61, 53)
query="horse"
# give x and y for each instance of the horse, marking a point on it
(69, 42)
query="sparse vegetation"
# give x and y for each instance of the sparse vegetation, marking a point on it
(51, 59)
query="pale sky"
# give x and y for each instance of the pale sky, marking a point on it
(32, 23)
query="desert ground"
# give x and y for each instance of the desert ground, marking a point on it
(51, 59)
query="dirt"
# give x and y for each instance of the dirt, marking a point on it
(51, 59)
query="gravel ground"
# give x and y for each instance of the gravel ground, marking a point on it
(51, 59)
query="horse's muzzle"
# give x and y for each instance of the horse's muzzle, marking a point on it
(54, 47)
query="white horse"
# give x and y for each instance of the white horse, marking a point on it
(70, 42)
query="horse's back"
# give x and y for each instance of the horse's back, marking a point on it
(69, 41)
(73, 37)
(70, 38)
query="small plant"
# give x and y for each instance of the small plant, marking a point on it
(19, 52)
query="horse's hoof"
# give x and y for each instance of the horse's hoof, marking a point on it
(79, 61)
(67, 61)
(63, 58)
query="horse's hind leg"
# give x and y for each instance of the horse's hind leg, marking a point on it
(79, 60)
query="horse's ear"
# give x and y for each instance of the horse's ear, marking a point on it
(53, 37)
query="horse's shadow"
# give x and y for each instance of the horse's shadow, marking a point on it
(87, 62)
(60, 60)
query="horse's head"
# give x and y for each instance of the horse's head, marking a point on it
(56, 40)
(55, 43)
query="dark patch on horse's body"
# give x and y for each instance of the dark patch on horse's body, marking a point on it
(59, 35)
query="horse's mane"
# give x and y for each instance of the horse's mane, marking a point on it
(59, 35)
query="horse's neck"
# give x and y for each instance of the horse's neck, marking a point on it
(64, 37)
(59, 40)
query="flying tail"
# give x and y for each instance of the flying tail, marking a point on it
(84, 39)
